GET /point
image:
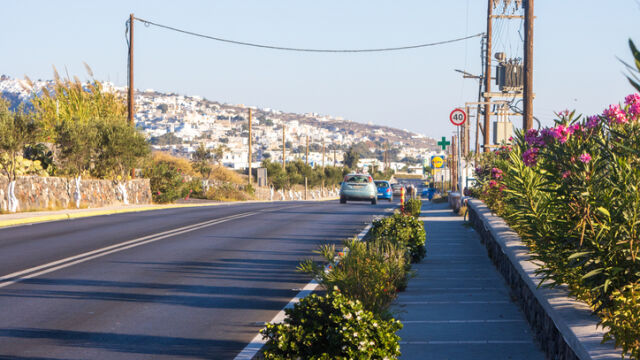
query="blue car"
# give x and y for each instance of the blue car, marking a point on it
(384, 190)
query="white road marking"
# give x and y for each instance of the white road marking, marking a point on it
(451, 302)
(461, 321)
(458, 342)
(15, 277)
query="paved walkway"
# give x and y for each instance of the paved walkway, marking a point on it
(458, 306)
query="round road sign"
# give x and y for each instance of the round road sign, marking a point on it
(437, 162)
(458, 117)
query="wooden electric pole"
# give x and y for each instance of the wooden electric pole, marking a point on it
(322, 153)
(453, 172)
(306, 157)
(284, 147)
(130, 99)
(250, 154)
(527, 118)
(487, 78)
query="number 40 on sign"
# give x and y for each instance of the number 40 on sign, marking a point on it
(458, 117)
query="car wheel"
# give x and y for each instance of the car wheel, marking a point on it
(343, 200)
(374, 201)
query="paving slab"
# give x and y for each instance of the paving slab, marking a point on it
(458, 306)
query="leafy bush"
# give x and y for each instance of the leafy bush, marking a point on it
(571, 192)
(227, 192)
(413, 207)
(370, 272)
(331, 327)
(165, 182)
(296, 171)
(402, 230)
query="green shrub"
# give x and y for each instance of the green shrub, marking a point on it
(571, 192)
(370, 272)
(227, 192)
(331, 327)
(413, 207)
(402, 230)
(165, 181)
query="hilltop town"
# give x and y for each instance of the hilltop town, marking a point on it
(179, 124)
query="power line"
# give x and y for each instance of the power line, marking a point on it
(235, 42)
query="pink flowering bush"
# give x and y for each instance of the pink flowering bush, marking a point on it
(572, 191)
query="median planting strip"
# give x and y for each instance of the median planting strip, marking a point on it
(256, 344)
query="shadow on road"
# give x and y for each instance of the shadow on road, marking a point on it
(128, 343)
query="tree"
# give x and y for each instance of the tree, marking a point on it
(121, 148)
(218, 153)
(17, 129)
(163, 108)
(78, 145)
(201, 160)
(166, 139)
(351, 158)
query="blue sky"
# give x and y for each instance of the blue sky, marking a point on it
(575, 65)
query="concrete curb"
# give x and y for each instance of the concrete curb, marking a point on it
(67, 215)
(565, 327)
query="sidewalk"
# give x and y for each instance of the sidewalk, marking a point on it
(458, 306)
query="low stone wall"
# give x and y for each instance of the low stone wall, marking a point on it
(565, 327)
(44, 193)
(264, 193)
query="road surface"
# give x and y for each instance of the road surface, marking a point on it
(177, 283)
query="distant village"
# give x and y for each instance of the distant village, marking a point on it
(178, 124)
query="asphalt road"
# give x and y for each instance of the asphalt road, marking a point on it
(176, 283)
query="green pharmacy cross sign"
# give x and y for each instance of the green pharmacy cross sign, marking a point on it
(444, 143)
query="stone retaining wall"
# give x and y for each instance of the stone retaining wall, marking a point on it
(297, 193)
(44, 193)
(565, 327)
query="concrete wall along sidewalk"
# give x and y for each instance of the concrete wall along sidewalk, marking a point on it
(565, 327)
(44, 193)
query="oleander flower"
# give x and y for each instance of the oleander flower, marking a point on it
(593, 121)
(585, 158)
(530, 157)
(615, 114)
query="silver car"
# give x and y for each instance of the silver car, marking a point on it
(358, 187)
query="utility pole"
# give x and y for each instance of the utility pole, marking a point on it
(527, 118)
(487, 77)
(454, 159)
(335, 161)
(284, 147)
(322, 153)
(130, 99)
(250, 155)
(465, 133)
(306, 157)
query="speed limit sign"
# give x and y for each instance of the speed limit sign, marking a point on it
(458, 117)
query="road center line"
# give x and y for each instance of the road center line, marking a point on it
(80, 258)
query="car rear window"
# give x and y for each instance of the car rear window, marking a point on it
(361, 179)
(382, 184)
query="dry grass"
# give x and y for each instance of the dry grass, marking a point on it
(221, 173)
(180, 163)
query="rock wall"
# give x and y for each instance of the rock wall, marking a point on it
(297, 193)
(49, 193)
